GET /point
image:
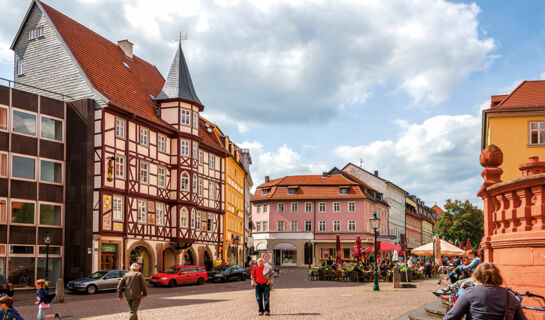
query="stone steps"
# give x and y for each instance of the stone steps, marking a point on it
(432, 311)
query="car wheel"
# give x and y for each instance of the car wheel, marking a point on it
(243, 277)
(91, 289)
(200, 281)
(172, 283)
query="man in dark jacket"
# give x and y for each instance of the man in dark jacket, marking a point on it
(7, 311)
(134, 286)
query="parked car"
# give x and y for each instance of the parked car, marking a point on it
(229, 273)
(6, 287)
(176, 275)
(98, 281)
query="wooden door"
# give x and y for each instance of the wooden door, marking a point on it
(107, 261)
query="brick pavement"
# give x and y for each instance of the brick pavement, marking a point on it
(294, 297)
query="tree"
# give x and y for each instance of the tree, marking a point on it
(461, 221)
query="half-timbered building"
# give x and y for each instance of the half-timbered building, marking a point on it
(156, 173)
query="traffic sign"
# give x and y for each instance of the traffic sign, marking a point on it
(386, 236)
(266, 256)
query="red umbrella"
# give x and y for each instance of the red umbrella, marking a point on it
(339, 259)
(357, 248)
(468, 245)
(461, 245)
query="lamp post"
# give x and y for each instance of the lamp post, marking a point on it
(47, 240)
(375, 224)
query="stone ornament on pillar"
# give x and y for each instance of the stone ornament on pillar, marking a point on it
(533, 166)
(491, 158)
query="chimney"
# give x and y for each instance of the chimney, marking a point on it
(126, 47)
(376, 173)
(267, 179)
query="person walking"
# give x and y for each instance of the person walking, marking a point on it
(43, 300)
(134, 286)
(7, 311)
(486, 300)
(262, 286)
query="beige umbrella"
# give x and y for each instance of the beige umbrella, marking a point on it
(446, 249)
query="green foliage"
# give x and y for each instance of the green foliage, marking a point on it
(461, 221)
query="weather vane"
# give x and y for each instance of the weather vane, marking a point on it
(183, 37)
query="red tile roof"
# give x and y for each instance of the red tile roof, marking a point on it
(102, 61)
(309, 180)
(308, 193)
(209, 139)
(528, 95)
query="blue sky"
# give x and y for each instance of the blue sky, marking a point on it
(308, 85)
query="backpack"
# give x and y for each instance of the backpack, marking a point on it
(46, 297)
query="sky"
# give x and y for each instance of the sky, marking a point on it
(307, 85)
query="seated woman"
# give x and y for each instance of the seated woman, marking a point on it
(486, 300)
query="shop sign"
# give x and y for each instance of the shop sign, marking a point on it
(109, 248)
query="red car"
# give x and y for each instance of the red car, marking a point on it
(176, 275)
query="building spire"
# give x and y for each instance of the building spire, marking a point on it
(179, 84)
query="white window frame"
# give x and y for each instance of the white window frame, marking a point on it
(144, 135)
(351, 225)
(209, 222)
(54, 161)
(201, 187)
(184, 148)
(352, 206)
(9, 213)
(32, 34)
(198, 221)
(141, 171)
(194, 183)
(184, 217)
(294, 207)
(211, 161)
(195, 152)
(265, 225)
(120, 125)
(280, 207)
(322, 225)
(20, 67)
(201, 156)
(10, 166)
(336, 225)
(159, 213)
(185, 117)
(52, 118)
(308, 207)
(116, 199)
(336, 207)
(184, 176)
(161, 177)
(258, 226)
(258, 209)
(280, 226)
(161, 143)
(292, 224)
(265, 208)
(142, 208)
(35, 122)
(538, 130)
(320, 207)
(308, 225)
(212, 190)
(119, 167)
(195, 120)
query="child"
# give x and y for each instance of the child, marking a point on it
(7, 311)
(44, 299)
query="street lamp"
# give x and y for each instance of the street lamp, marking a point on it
(375, 224)
(47, 240)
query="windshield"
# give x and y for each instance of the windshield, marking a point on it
(98, 274)
(171, 270)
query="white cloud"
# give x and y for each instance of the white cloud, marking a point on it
(278, 163)
(436, 159)
(242, 128)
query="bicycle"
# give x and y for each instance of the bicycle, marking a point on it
(530, 295)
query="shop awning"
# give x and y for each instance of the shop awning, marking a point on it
(261, 246)
(284, 246)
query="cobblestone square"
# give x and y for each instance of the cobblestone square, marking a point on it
(294, 297)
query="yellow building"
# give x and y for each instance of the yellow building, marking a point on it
(516, 124)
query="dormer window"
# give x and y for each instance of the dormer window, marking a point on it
(292, 191)
(35, 33)
(343, 191)
(265, 191)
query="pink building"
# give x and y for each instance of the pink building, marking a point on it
(297, 218)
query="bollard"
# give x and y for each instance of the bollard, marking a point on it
(59, 291)
(396, 278)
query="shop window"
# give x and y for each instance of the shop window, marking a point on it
(21, 249)
(51, 128)
(22, 212)
(21, 271)
(23, 167)
(54, 268)
(50, 171)
(50, 215)
(24, 123)
(52, 250)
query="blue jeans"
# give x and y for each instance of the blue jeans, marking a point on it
(41, 313)
(262, 292)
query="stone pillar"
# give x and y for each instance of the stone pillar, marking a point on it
(396, 278)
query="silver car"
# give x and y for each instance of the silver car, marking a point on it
(99, 280)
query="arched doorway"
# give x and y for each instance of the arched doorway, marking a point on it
(308, 253)
(169, 258)
(188, 258)
(141, 256)
(208, 263)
